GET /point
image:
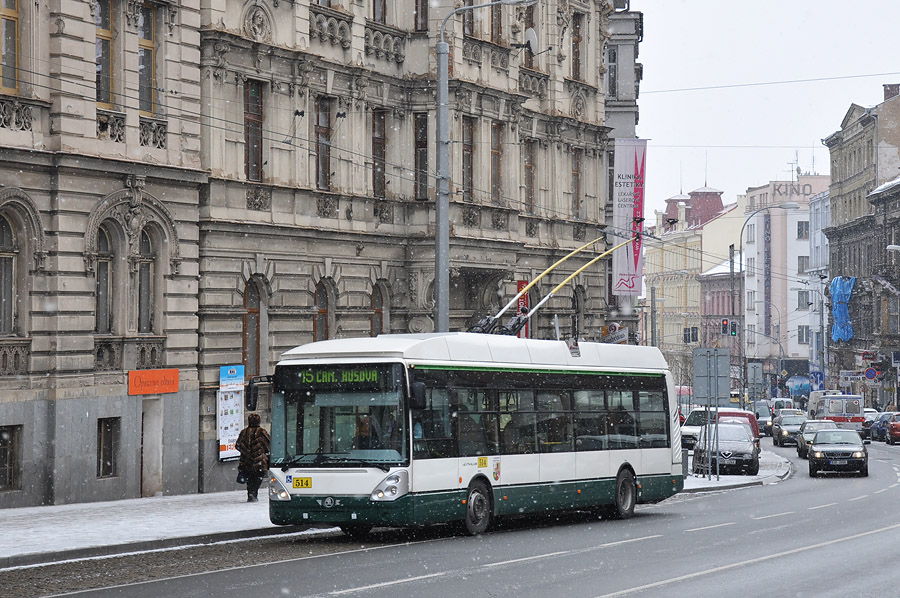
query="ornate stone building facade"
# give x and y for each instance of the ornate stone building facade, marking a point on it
(191, 184)
(865, 154)
(99, 185)
(319, 140)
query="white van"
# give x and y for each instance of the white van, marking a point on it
(816, 401)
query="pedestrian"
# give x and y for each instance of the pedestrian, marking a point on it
(253, 444)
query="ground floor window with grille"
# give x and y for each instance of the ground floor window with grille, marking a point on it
(10, 458)
(108, 435)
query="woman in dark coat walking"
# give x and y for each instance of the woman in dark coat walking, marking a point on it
(253, 444)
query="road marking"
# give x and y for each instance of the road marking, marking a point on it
(775, 515)
(831, 504)
(527, 558)
(384, 584)
(608, 544)
(697, 529)
(880, 491)
(744, 563)
(859, 498)
(894, 485)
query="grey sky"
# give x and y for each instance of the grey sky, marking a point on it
(738, 137)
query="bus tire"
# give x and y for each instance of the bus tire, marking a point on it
(625, 496)
(479, 508)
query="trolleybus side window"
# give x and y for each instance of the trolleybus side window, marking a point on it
(554, 421)
(437, 441)
(653, 419)
(622, 419)
(517, 421)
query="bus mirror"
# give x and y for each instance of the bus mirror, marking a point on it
(251, 396)
(251, 391)
(417, 396)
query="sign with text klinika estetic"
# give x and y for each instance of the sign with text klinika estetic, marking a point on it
(629, 173)
(151, 382)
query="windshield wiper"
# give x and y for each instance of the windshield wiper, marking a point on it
(331, 459)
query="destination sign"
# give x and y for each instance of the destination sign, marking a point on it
(339, 377)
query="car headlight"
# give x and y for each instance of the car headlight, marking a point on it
(817, 454)
(858, 455)
(277, 490)
(392, 487)
(784, 432)
(768, 422)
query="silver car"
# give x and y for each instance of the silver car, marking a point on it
(736, 450)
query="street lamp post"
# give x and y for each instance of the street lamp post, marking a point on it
(774, 336)
(442, 206)
(788, 205)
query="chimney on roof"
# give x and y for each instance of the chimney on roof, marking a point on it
(891, 90)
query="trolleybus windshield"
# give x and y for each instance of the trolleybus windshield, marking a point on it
(339, 416)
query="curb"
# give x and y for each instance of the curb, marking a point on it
(789, 470)
(47, 558)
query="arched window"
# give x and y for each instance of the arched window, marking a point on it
(145, 285)
(104, 283)
(7, 278)
(377, 311)
(320, 325)
(251, 329)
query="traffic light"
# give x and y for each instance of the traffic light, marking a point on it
(724, 325)
(733, 328)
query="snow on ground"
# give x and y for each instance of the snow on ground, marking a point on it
(55, 528)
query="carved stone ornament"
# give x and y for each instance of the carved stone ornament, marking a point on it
(579, 106)
(259, 199)
(421, 324)
(220, 71)
(256, 25)
(132, 209)
(15, 199)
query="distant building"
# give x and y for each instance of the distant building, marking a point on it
(865, 154)
(776, 260)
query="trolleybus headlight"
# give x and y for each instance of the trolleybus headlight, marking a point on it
(277, 489)
(392, 487)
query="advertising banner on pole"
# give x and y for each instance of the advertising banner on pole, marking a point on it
(522, 303)
(629, 171)
(230, 410)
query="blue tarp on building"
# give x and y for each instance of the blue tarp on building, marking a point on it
(841, 287)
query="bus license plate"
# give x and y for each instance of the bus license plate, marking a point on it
(838, 461)
(302, 482)
(727, 461)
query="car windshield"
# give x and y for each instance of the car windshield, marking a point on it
(815, 426)
(793, 420)
(732, 432)
(837, 437)
(696, 418)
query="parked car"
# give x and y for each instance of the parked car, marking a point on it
(808, 431)
(690, 429)
(869, 416)
(892, 429)
(736, 450)
(747, 418)
(838, 450)
(878, 427)
(785, 428)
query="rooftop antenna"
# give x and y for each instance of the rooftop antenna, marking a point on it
(705, 167)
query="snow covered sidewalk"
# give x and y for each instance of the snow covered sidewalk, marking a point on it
(772, 468)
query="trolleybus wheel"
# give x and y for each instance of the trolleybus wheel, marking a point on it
(478, 509)
(625, 496)
(357, 531)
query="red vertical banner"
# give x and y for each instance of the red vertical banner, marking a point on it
(523, 303)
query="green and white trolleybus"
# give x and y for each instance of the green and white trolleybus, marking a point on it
(418, 429)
